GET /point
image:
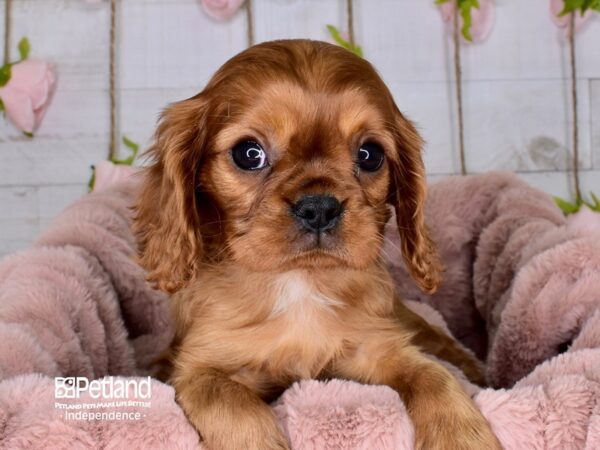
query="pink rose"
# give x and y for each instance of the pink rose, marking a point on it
(107, 174)
(556, 6)
(483, 18)
(221, 9)
(28, 93)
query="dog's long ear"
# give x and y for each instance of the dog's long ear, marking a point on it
(166, 221)
(407, 195)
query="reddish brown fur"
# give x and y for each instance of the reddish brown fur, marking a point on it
(256, 307)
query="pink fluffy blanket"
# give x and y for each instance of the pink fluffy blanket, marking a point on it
(522, 290)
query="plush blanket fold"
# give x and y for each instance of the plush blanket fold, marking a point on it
(522, 289)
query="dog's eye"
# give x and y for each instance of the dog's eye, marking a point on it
(249, 155)
(370, 157)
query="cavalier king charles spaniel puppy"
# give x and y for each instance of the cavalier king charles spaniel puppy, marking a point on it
(263, 212)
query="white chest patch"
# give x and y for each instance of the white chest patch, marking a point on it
(293, 291)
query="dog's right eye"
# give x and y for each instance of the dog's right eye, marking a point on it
(249, 155)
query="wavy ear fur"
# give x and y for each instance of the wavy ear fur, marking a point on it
(408, 192)
(166, 221)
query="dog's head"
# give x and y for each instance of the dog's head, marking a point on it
(289, 158)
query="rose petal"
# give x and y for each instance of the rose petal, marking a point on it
(39, 114)
(40, 111)
(28, 92)
(483, 20)
(221, 9)
(447, 10)
(38, 94)
(51, 77)
(27, 73)
(42, 92)
(18, 108)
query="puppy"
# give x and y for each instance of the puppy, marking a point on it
(263, 212)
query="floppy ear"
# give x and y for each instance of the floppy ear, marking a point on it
(166, 221)
(408, 191)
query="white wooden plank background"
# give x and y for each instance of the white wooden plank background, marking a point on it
(517, 104)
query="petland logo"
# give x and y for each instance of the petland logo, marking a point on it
(106, 388)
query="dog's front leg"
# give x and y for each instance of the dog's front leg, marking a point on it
(227, 414)
(434, 341)
(444, 416)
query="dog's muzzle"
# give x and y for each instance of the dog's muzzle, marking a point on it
(317, 213)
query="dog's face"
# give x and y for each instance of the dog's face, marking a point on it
(300, 178)
(290, 158)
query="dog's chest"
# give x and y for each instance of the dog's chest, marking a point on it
(296, 295)
(303, 325)
(291, 330)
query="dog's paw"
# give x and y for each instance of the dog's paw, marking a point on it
(254, 442)
(451, 433)
(247, 433)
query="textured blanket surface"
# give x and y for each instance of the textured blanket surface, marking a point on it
(521, 289)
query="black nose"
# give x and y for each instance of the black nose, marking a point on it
(317, 213)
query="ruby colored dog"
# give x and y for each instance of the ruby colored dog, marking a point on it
(263, 213)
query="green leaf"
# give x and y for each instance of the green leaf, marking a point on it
(134, 151)
(571, 6)
(465, 7)
(130, 144)
(92, 179)
(24, 48)
(565, 206)
(589, 4)
(596, 206)
(28, 134)
(4, 74)
(337, 37)
(335, 34)
(2, 108)
(358, 50)
(134, 147)
(465, 10)
(467, 18)
(570, 208)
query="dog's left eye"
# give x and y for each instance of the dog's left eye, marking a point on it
(370, 157)
(249, 155)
